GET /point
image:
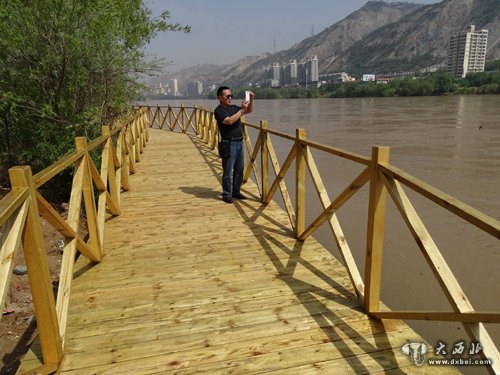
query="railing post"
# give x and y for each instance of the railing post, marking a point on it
(195, 110)
(161, 119)
(182, 112)
(264, 159)
(213, 131)
(96, 242)
(300, 182)
(145, 127)
(109, 173)
(137, 141)
(129, 141)
(122, 145)
(205, 125)
(169, 113)
(151, 115)
(38, 272)
(200, 122)
(375, 231)
(155, 116)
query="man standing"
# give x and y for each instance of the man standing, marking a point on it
(228, 118)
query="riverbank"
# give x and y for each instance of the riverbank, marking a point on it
(436, 84)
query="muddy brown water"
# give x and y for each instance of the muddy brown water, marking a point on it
(452, 143)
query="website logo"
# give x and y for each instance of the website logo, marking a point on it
(416, 351)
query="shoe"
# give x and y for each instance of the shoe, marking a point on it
(239, 196)
(227, 199)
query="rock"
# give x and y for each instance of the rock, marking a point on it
(20, 270)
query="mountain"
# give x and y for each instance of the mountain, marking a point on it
(332, 42)
(327, 45)
(380, 37)
(421, 38)
(209, 73)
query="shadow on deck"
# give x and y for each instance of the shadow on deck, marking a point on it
(190, 284)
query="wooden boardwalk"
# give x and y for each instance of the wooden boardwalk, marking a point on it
(190, 285)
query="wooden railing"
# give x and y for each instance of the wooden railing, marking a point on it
(20, 212)
(382, 178)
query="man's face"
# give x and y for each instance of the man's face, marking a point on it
(226, 97)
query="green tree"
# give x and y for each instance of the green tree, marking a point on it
(67, 67)
(443, 82)
(492, 65)
(477, 79)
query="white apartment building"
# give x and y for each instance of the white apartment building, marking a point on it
(195, 88)
(467, 52)
(174, 87)
(313, 69)
(292, 73)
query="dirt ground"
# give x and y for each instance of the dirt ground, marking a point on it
(18, 323)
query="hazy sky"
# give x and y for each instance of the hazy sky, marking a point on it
(223, 31)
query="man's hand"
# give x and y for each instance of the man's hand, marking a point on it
(248, 106)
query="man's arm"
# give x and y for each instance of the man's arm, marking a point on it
(230, 120)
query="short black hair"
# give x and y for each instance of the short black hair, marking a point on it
(221, 89)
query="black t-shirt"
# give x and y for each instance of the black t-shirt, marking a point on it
(228, 131)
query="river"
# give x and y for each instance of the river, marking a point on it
(452, 143)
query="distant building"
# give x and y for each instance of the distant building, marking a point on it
(195, 88)
(308, 72)
(175, 87)
(302, 72)
(293, 73)
(273, 83)
(161, 90)
(288, 74)
(369, 78)
(312, 64)
(336, 78)
(276, 72)
(467, 52)
(274, 77)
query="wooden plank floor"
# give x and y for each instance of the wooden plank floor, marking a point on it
(192, 285)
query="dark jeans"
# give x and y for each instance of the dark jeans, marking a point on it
(232, 175)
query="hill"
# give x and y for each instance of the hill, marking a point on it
(332, 42)
(421, 38)
(380, 37)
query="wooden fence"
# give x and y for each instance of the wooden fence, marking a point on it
(121, 149)
(382, 178)
(20, 212)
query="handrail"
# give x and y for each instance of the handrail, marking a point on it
(10, 203)
(464, 211)
(45, 175)
(316, 145)
(20, 212)
(13, 209)
(382, 178)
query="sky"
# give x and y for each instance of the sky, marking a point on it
(223, 31)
